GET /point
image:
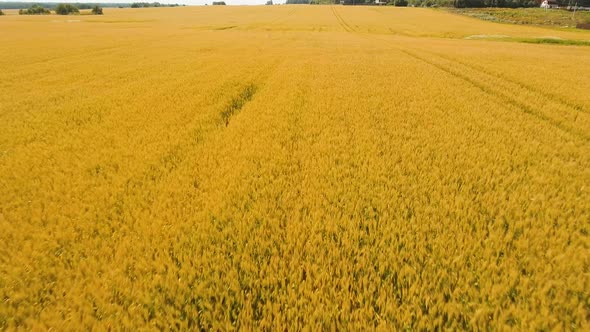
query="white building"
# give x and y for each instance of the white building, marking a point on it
(547, 4)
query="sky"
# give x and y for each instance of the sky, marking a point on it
(186, 2)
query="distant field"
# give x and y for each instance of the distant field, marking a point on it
(532, 16)
(290, 167)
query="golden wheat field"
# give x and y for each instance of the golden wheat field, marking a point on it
(292, 168)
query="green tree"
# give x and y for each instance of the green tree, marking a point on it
(96, 10)
(34, 10)
(66, 9)
(1, 12)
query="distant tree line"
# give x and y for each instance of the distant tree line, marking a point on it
(85, 5)
(152, 4)
(218, 3)
(60, 9)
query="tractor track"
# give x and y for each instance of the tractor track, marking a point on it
(342, 22)
(141, 186)
(546, 94)
(495, 92)
(495, 85)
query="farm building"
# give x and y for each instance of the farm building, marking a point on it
(548, 4)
